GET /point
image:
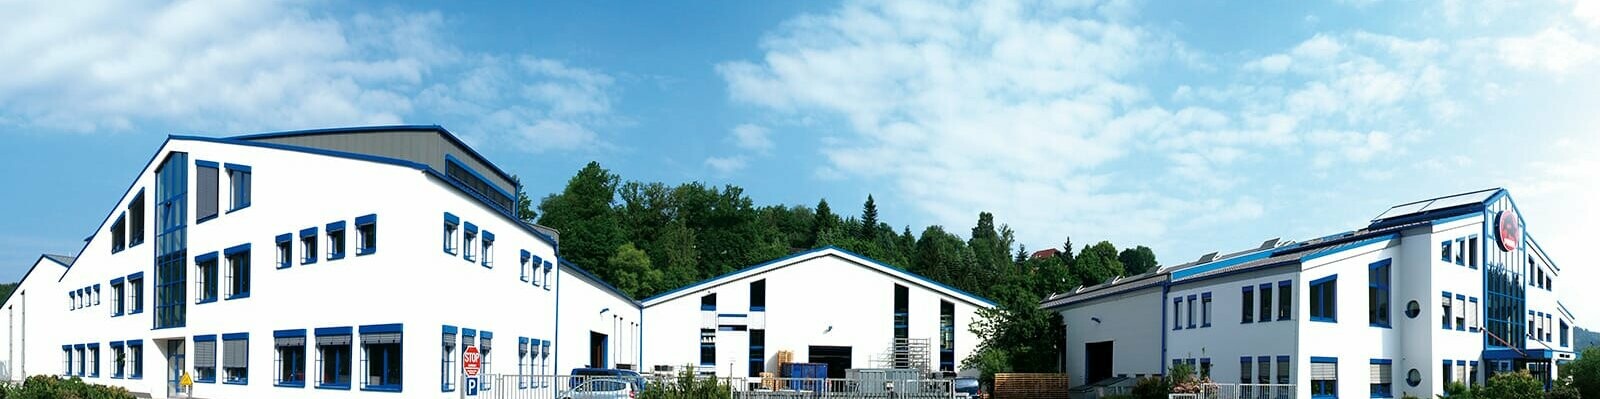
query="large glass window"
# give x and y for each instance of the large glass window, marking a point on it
(947, 335)
(1324, 377)
(1325, 299)
(708, 347)
(172, 242)
(136, 359)
(758, 342)
(205, 277)
(1378, 294)
(485, 351)
(290, 358)
(118, 231)
(1189, 304)
(119, 360)
(333, 357)
(524, 363)
(758, 295)
(381, 358)
(205, 359)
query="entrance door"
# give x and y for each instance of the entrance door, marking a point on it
(597, 350)
(1097, 359)
(175, 367)
(836, 357)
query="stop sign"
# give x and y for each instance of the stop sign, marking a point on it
(471, 361)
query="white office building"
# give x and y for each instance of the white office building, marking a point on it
(1443, 290)
(363, 261)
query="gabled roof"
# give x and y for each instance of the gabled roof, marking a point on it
(61, 259)
(801, 257)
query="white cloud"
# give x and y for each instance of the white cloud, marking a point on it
(752, 137)
(1587, 11)
(726, 165)
(1553, 50)
(1276, 63)
(533, 104)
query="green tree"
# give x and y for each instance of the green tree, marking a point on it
(1584, 373)
(634, 275)
(583, 214)
(1517, 385)
(825, 221)
(1137, 260)
(525, 211)
(1096, 264)
(678, 255)
(869, 220)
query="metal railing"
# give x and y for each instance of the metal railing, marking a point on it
(1239, 391)
(513, 386)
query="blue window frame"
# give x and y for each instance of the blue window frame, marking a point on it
(1325, 299)
(1265, 291)
(94, 359)
(381, 360)
(119, 294)
(1324, 377)
(1461, 251)
(1565, 330)
(488, 249)
(205, 359)
(1447, 310)
(524, 363)
(239, 182)
(485, 352)
(447, 361)
(119, 235)
(135, 359)
(526, 273)
(207, 195)
(205, 281)
(289, 347)
(1461, 314)
(1190, 303)
(236, 358)
(83, 361)
(1285, 299)
(285, 248)
(468, 241)
(1205, 310)
(451, 225)
(1247, 299)
(136, 220)
(547, 268)
(334, 357)
(1472, 251)
(1445, 251)
(119, 360)
(1382, 376)
(366, 234)
(308, 246)
(1378, 303)
(172, 240)
(534, 269)
(336, 242)
(136, 293)
(1472, 312)
(238, 258)
(1177, 313)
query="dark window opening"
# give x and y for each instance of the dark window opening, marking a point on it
(758, 295)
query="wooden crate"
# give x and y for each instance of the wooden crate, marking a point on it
(1030, 386)
(785, 357)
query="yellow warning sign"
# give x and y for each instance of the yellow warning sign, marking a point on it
(186, 381)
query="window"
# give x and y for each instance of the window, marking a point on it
(83, 360)
(117, 299)
(1205, 310)
(1266, 303)
(447, 362)
(119, 359)
(290, 348)
(1472, 314)
(467, 244)
(947, 336)
(451, 225)
(1285, 299)
(1324, 377)
(1382, 378)
(1446, 312)
(1461, 312)
(238, 271)
(205, 359)
(758, 295)
(1461, 251)
(1449, 375)
(136, 220)
(1445, 251)
(1472, 371)
(1472, 251)
(205, 278)
(1564, 332)
(547, 268)
(94, 360)
(1192, 300)
(488, 249)
(335, 240)
(1325, 299)
(236, 358)
(66, 360)
(1378, 294)
(708, 302)
(1461, 369)
(136, 358)
(708, 347)
(366, 234)
(524, 363)
(97, 295)
(206, 195)
(1264, 371)
(239, 179)
(1205, 368)
(285, 251)
(1177, 314)
(333, 358)
(1244, 373)
(171, 257)
(1247, 301)
(527, 274)
(758, 342)
(544, 362)
(119, 234)
(308, 246)
(136, 293)
(486, 338)
(1283, 377)
(381, 357)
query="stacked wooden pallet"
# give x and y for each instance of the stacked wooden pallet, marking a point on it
(1030, 386)
(785, 357)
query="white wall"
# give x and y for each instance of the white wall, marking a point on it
(1132, 321)
(21, 312)
(1229, 338)
(582, 303)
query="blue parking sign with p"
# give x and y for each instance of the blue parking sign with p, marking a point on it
(472, 386)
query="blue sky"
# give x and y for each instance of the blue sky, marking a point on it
(1192, 126)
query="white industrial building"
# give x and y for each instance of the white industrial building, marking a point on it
(826, 306)
(1443, 290)
(255, 264)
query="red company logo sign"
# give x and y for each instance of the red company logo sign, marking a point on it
(1509, 229)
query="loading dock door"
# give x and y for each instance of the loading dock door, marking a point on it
(597, 350)
(836, 357)
(1097, 359)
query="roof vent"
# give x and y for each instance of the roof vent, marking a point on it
(1207, 258)
(1268, 244)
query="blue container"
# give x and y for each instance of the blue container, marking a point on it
(805, 376)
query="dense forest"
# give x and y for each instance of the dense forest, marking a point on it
(648, 238)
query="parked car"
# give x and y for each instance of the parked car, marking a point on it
(581, 374)
(602, 388)
(966, 387)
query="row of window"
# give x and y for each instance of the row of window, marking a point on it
(83, 297)
(127, 295)
(1537, 277)
(128, 230)
(366, 242)
(1463, 251)
(83, 360)
(1324, 296)
(1458, 312)
(208, 193)
(1541, 326)
(475, 246)
(1186, 306)
(1261, 368)
(235, 358)
(380, 361)
(1464, 372)
(1200, 367)
(758, 297)
(1252, 310)
(208, 275)
(533, 358)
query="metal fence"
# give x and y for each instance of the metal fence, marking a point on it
(512, 386)
(1239, 391)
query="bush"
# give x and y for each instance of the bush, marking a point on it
(1518, 385)
(688, 385)
(52, 387)
(1563, 391)
(1583, 374)
(1151, 388)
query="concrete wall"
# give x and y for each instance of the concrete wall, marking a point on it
(1132, 321)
